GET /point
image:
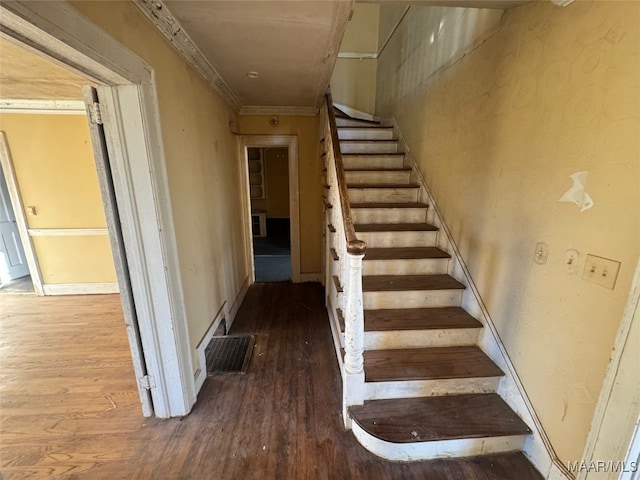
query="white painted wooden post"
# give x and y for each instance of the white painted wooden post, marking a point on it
(353, 378)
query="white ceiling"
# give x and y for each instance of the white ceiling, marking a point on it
(291, 44)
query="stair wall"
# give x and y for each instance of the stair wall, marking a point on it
(537, 446)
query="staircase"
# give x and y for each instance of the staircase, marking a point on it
(429, 390)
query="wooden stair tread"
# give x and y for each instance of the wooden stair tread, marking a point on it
(389, 205)
(369, 154)
(405, 253)
(418, 319)
(428, 364)
(410, 420)
(395, 227)
(382, 185)
(393, 283)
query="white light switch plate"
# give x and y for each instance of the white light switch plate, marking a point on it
(602, 271)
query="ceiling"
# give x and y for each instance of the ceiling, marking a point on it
(291, 45)
(27, 76)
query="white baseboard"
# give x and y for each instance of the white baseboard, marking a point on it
(233, 311)
(201, 372)
(356, 114)
(311, 277)
(80, 288)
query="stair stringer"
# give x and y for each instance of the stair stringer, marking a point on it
(537, 446)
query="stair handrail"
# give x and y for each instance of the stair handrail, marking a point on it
(354, 245)
(351, 251)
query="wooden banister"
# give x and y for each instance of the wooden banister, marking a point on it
(354, 246)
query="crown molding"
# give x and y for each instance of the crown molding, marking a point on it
(64, 107)
(171, 29)
(297, 111)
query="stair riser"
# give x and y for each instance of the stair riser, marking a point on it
(429, 388)
(383, 195)
(369, 147)
(378, 177)
(346, 122)
(412, 299)
(389, 215)
(452, 337)
(419, 266)
(398, 239)
(373, 161)
(365, 133)
(467, 447)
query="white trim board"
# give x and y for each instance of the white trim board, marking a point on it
(80, 288)
(266, 141)
(201, 373)
(48, 107)
(169, 26)
(18, 209)
(134, 142)
(356, 114)
(616, 410)
(66, 232)
(290, 111)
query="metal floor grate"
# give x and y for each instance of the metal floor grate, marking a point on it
(230, 354)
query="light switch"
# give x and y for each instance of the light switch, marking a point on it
(541, 253)
(602, 271)
(571, 262)
(31, 210)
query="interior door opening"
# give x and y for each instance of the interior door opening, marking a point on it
(270, 217)
(59, 213)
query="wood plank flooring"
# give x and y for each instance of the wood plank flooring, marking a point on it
(65, 360)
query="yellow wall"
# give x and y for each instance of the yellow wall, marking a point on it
(555, 91)
(353, 83)
(277, 170)
(309, 175)
(56, 173)
(202, 167)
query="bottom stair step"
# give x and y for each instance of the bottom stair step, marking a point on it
(411, 420)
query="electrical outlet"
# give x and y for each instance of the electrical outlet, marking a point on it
(571, 262)
(602, 271)
(541, 253)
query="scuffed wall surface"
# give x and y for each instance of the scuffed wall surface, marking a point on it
(202, 167)
(555, 91)
(427, 39)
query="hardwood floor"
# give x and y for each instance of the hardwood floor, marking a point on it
(65, 364)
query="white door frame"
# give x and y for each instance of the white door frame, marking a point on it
(134, 141)
(269, 141)
(18, 210)
(611, 411)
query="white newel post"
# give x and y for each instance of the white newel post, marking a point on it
(353, 378)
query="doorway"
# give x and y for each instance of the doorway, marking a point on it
(14, 271)
(269, 163)
(129, 142)
(270, 217)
